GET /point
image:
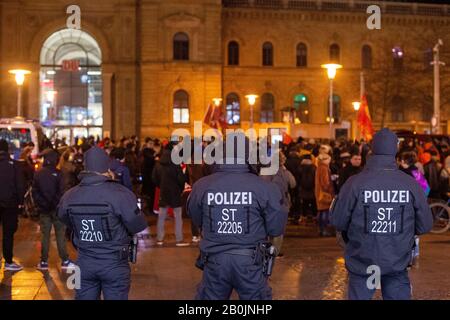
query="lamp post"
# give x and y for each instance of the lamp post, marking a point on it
(331, 72)
(20, 78)
(436, 120)
(251, 98)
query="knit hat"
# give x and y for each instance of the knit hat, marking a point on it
(385, 143)
(96, 160)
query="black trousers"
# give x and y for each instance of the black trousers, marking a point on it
(10, 220)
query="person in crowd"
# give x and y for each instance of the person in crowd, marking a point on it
(324, 192)
(47, 190)
(26, 162)
(119, 169)
(285, 182)
(352, 168)
(307, 177)
(170, 178)
(148, 164)
(293, 161)
(432, 168)
(12, 191)
(444, 180)
(68, 169)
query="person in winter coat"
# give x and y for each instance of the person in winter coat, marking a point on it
(285, 181)
(68, 169)
(324, 192)
(293, 165)
(170, 178)
(307, 177)
(432, 169)
(47, 190)
(148, 164)
(352, 168)
(444, 180)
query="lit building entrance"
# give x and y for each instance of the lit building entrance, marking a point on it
(71, 85)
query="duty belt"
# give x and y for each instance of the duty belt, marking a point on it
(241, 252)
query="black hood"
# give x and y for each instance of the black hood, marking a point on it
(385, 143)
(51, 158)
(96, 160)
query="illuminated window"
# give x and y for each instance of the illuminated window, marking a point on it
(233, 109)
(301, 106)
(233, 53)
(267, 107)
(302, 55)
(181, 107)
(366, 57)
(267, 54)
(181, 46)
(335, 53)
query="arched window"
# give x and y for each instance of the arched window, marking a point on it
(397, 56)
(302, 55)
(180, 107)
(398, 109)
(267, 54)
(233, 53)
(181, 46)
(301, 106)
(335, 53)
(336, 108)
(267, 107)
(233, 109)
(366, 57)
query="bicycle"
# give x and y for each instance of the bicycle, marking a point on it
(441, 216)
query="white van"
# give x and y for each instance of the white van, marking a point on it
(19, 131)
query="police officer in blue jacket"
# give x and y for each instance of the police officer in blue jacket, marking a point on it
(236, 211)
(103, 216)
(379, 211)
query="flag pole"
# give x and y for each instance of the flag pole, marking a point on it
(362, 85)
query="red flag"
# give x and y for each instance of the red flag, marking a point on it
(214, 117)
(287, 139)
(364, 120)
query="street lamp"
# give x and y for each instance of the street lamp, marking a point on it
(217, 101)
(251, 98)
(20, 78)
(331, 72)
(356, 105)
(436, 120)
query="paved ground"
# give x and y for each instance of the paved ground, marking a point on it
(312, 268)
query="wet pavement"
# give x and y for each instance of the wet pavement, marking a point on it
(312, 268)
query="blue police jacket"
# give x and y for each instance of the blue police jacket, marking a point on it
(236, 209)
(103, 215)
(379, 211)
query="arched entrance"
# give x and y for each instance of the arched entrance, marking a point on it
(71, 85)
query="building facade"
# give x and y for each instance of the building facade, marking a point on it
(148, 67)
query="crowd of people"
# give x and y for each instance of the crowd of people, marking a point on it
(311, 174)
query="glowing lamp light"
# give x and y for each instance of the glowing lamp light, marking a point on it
(217, 101)
(19, 75)
(251, 98)
(356, 105)
(331, 69)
